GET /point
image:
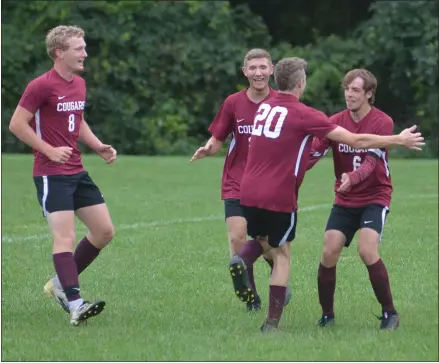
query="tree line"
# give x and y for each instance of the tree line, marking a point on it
(158, 70)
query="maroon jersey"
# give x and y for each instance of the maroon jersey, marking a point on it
(377, 187)
(279, 151)
(57, 106)
(235, 117)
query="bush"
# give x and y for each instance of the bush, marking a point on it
(157, 71)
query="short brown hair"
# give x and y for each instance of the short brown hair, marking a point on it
(256, 53)
(288, 72)
(370, 83)
(57, 38)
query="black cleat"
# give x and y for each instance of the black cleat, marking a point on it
(255, 305)
(326, 321)
(389, 321)
(241, 281)
(270, 326)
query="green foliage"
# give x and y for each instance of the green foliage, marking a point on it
(159, 70)
(399, 45)
(327, 61)
(402, 49)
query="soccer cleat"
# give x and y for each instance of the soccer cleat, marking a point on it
(287, 296)
(255, 305)
(389, 321)
(53, 289)
(270, 326)
(326, 321)
(241, 281)
(86, 311)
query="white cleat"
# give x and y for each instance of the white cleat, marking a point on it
(86, 311)
(53, 289)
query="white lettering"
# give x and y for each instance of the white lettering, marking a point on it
(245, 129)
(356, 162)
(70, 106)
(343, 148)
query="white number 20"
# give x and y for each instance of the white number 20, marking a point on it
(264, 118)
(356, 162)
(72, 122)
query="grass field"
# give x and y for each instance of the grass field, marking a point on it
(166, 284)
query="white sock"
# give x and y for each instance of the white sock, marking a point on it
(73, 305)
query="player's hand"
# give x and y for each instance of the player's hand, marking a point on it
(345, 185)
(107, 152)
(202, 152)
(412, 140)
(60, 154)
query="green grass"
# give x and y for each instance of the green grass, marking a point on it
(165, 280)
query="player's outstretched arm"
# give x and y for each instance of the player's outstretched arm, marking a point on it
(19, 126)
(212, 146)
(408, 138)
(319, 148)
(87, 137)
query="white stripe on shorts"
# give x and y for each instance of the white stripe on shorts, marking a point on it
(45, 194)
(284, 238)
(383, 220)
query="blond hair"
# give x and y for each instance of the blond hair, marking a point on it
(370, 83)
(256, 53)
(288, 72)
(57, 38)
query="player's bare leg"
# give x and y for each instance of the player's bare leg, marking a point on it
(244, 255)
(237, 231)
(100, 233)
(241, 266)
(333, 245)
(368, 242)
(268, 257)
(62, 226)
(278, 286)
(242, 275)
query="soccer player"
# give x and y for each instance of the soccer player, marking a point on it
(278, 156)
(50, 119)
(363, 191)
(235, 118)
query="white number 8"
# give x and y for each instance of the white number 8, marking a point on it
(357, 162)
(72, 122)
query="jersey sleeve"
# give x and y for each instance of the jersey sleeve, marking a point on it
(319, 148)
(384, 128)
(222, 125)
(34, 96)
(366, 168)
(316, 123)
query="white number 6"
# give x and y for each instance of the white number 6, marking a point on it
(357, 162)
